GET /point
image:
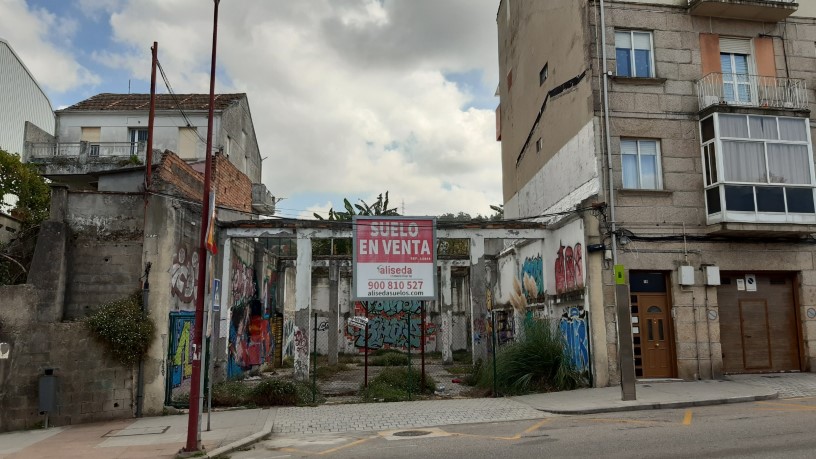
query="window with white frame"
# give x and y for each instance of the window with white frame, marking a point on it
(640, 164)
(138, 140)
(757, 164)
(634, 53)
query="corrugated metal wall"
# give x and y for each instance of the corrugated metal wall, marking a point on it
(21, 100)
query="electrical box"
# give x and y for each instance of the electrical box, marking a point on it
(712, 274)
(48, 392)
(686, 274)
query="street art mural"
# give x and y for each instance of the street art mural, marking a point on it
(574, 327)
(388, 325)
(289, 337)
(250, 338)
(569, 268)
(301, 363)
(180, 361)
(532, 279)
(183, 275)
(269, 292)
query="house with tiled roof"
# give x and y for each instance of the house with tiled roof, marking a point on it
(109, 131)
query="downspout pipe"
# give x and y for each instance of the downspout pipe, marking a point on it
(608, 138)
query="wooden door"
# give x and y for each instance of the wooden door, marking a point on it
(656, 338)
(756, 336)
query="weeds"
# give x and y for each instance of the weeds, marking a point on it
(394, 384)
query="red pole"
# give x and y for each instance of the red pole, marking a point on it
(422, 339)
(193, 422)
(150, 118)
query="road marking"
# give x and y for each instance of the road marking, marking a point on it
(537, 426)
(687, 418)
(625, 421)
(352, 444)
(786, 406)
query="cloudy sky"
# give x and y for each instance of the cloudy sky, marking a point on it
(349, 98)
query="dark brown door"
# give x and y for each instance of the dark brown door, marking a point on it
(656, 336)
(758, 327)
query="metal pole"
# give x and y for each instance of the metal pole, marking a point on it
(194, 417)
(408, 316)
(140, 375)
(365, 375)
(150, 118)
(495, 351)
(314, 362)
(422, 340)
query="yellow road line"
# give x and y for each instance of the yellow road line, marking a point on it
(352, 444)
(687, 418)
(789, 405)
(625, 421)
(537, 425)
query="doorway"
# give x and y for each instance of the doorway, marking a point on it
(652, 326)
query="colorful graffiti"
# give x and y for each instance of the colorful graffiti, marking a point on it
(250, 338)
(532, 276)
(289, 337)
(301, 362)
(269, 292)
(183, 275)
(388, 326)
(180, 362)
(573, 326)
(569, 269)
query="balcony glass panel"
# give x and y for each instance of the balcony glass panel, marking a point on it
(763, 127)
(770, 199)
(788, 164)
(744, 162)
(733, 126)
(739, 198)
(713, 200)
(793, 129)
(800, 200)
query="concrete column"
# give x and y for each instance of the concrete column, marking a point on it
(303, 305)
(447, 312)
(479, 291)
(225, 315)
(334, 330)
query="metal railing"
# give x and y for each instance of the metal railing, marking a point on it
(752, 91)
(45, 150)
(758, 1)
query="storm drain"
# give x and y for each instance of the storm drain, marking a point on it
(411, 433)
(158, 430)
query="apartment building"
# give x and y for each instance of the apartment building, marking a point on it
(679, 132)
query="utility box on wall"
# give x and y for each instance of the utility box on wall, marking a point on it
(712, 275)
(686, 275)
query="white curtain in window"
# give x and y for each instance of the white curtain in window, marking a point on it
(744, 162)
(788, 164)
(629, 163)
(793, 129)
(763, 127)
(648, 165)
(733, 126)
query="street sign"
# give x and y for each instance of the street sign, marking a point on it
(394, 258)
(620, 275)
(358, 321)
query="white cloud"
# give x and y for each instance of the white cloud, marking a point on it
(349, 97)
(43, 41)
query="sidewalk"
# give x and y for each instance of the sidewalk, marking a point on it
(163, 437)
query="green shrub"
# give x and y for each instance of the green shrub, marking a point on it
(393, 385)
(274, 392)
(537, 363)
(124, 329)
(389, 360)
(230, 393)
(327, 371)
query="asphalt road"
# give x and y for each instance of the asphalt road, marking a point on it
(770, 429)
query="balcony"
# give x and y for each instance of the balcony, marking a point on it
(750, 10)
(80, 158)
(752, 91)
(262, 200)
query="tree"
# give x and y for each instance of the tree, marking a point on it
(343, 246)
(23, 181)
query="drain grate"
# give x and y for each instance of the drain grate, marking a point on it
(411, 433)
(158, 430)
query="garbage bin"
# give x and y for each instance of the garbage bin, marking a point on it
(48, 393)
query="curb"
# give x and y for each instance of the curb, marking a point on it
(667, 405)
(257, 436)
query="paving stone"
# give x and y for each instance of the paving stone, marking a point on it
(789, 385)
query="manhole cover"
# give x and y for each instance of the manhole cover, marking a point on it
(411, 433)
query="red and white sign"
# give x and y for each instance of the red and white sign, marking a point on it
(394, 258)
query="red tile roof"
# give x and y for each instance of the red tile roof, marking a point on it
(138, 102)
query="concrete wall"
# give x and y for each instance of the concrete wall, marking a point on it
(90, 386)
(9, 226)
(104, 250)
(559, 31)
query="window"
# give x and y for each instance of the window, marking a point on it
(757, 165)
(92, 136)
(543, 74)
(633, 51)
(138, 141)
(641, 164)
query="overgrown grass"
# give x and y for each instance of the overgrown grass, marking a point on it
(268, 392)
(394, 384)
(326, 371)
(460, 369)
(392, 359)
(538, 363)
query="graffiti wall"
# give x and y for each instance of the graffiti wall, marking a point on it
(250, 338)
(179, 362)
(565, 252)
(574, 327)
(184, 275)
(388, 325)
